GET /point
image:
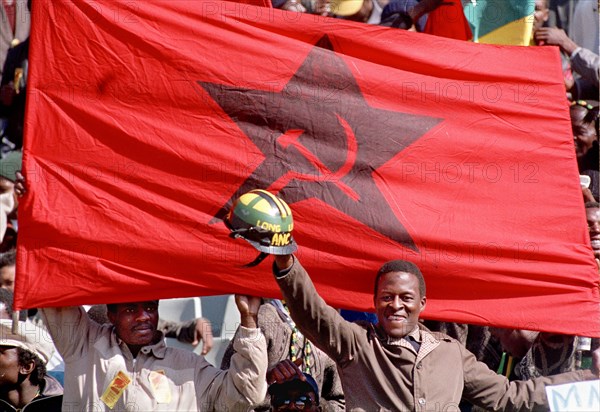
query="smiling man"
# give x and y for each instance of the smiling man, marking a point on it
(592, 212)
(398, 364)
(126, 365)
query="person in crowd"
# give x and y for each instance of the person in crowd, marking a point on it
(127, 364)
(584, 123)
(398, 364)
(285, 341)
(15, 22)
(299, 391)
(8, 261)
(560, 13)
(529, 354)
(15, 65)
(444, 18)
(6, 299)
(399, 350)
(193, 331)
(396, 14)
(363, 11)
(541, 15)
(584, 25)
(9, 165)
(592, 212)
(289, 5)
(584, 62)
(6, 302)
(13, 92)
(24, 383)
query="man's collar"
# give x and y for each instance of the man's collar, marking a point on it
(414, 334)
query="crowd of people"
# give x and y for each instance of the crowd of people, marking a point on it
(297, 353)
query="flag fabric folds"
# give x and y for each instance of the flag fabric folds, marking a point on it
(145, 120)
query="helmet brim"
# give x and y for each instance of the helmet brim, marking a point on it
(274, 250)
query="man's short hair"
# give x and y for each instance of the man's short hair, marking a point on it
(592, 205)
(8, 258)
(400, 266)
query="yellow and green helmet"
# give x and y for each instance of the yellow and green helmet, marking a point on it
(263, 220)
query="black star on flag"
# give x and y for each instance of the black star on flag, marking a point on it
(322, 140)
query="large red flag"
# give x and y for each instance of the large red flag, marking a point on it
(145, 120)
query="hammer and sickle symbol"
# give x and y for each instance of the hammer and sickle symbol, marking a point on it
(290, 138)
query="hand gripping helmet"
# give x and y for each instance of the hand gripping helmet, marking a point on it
(263, 220)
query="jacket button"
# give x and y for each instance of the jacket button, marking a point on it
(421, 401)
(419, 365)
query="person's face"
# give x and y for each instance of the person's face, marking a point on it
(7, 277)
(398, 303)
(296, 400)
(9, 366)
(593, 221)
(540, 15)
(136, 322)
(584, 134)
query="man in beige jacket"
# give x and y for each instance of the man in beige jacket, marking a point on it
(126, 366)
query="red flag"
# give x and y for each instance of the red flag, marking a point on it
(146, 119)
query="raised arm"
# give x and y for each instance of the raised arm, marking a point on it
(319, 322)
(486, 389)
(244, 383)
(71, 329)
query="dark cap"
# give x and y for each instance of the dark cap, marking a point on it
(310, 385)
(395, 14)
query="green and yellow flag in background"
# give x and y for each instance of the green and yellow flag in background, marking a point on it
(500, 21)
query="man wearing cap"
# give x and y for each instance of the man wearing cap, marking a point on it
(291, 389)
(24, 384)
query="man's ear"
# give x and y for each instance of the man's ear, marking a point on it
(423, 303)
(27, 369)
(111, 316)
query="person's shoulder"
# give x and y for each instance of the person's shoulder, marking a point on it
(267, 310)
(364, 324)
